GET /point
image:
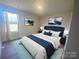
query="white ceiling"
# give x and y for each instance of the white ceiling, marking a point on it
(41, 7)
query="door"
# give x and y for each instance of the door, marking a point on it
(12, 25)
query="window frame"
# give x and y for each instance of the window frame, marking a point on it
(10, 21)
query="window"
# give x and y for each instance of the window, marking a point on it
(13, 22)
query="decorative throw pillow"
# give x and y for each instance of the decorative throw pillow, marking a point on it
(55, 33)
(47, 33)
(45, 30)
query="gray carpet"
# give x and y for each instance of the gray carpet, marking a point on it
(57, 54)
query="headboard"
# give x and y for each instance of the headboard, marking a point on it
(56, 28)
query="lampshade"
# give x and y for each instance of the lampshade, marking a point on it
(66, 32)
(41, 27)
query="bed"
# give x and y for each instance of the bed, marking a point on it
(43, 45)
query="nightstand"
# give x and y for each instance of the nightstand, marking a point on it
(40, 31)
(63, 40)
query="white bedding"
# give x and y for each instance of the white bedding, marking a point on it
(36, 50)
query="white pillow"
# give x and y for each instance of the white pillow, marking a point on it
(55, 33)
(45, 31)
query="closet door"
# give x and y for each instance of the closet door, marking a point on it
(0, 44)
(2, 26)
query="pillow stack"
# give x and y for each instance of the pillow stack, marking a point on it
(51, 33)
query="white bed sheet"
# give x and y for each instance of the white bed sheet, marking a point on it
(36, 50)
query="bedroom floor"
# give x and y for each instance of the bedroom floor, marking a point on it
(9, 51)
(14, 50)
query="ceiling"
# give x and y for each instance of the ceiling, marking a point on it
(40, 7)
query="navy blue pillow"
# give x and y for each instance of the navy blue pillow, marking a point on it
(47, 33)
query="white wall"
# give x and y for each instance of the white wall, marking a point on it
(66, 19)
(23, 30)
(26, 30)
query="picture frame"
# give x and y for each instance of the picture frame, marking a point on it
(28, 22)
(55, 21)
